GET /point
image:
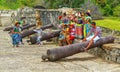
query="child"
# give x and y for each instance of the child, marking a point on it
(15, 38)
(71, 34)
(61, 38)
(39, 36)
(15, 34)
(38, 24)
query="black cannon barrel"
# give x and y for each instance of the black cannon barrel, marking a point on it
(65, 51)
(26, 26)
(30, 32)
(45, 36)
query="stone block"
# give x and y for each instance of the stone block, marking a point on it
(118, 59)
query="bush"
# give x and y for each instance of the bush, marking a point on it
(116, 11)
(107, 10)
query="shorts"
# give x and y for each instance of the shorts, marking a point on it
(71, 37)
(95, 39)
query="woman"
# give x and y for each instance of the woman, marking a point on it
(65, 19)
(87, 27)
(79, 24)
(15, 34)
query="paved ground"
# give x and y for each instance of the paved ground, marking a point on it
(27, 58)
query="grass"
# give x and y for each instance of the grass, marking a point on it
(109, 22)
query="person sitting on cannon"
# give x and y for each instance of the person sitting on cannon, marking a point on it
(39, 32)
(93, 36)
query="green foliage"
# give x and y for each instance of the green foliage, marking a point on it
(107, 10)
(108, 6)
(64, 3)
(116, 11)
(14, 4)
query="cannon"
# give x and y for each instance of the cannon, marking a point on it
(30, 32)
(26, 26)
(69, 50)
(44, 36)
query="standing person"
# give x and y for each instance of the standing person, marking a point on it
(71, 38)
(15, 34)
(65, 19)
(39, 32)
(87, 27)
(79, 24)
(88, 16)
(96, 35)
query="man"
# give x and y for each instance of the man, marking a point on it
(93, 36)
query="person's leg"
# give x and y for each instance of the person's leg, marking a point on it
(90, 43)
(61, 42)
(38, 40)
(96, 39)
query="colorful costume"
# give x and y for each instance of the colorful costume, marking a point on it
(86, 29)
(16, 38)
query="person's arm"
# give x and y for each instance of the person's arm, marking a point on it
(87, 36)
(96, 33)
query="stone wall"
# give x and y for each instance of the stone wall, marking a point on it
(109, 52)
(49, 16)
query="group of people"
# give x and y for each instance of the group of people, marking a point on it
(78, 26)
(15, 33)
(73, 26)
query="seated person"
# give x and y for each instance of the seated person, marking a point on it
(93, 36)
(61, 38)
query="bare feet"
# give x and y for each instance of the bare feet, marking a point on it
(17, 46)
(85, 49)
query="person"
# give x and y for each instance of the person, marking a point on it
(65, 19)
(39, 36)
(38, 24)
(88, 16)
(87, 27)
(39, 31)
(71, 34)
(61, 38)
(79, 33)
(93, 36)
(15, 34)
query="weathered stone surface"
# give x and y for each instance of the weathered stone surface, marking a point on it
(110, 52)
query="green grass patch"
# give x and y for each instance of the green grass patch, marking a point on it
(109, 22)
(4, 8)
